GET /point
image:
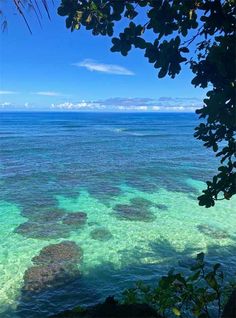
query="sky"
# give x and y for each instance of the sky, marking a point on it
(55, 69)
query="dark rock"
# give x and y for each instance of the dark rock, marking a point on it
(55, 265)
(144, 203)
(47, 230)
(66, 251)
(141, 202)
(104, 191)
(110, 190)
(101, 234)
(112, 309)
(133, 212)
(39, 278)
(76, 219)
(34, 206)
(212, 232)
(49, 216)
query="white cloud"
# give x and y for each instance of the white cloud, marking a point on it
(47, 93)
(126, 101)
(179, 99)
(7, 92)
(135, 108)
(141, 108)
(179, 108)
(125, 105)
(5, 104)
(14, 106)
(168, 104)
(92, 65)
(77, 106)
(155, 108)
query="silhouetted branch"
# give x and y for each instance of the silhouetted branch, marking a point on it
(35, 5)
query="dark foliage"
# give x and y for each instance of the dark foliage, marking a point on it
(111, 309)
(202, 293)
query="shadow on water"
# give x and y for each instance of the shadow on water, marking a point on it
(104, 280)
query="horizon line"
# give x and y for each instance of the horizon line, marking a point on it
(97, 112)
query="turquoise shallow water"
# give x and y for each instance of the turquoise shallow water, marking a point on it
(136, 176)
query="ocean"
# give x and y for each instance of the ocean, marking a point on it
(134, 178)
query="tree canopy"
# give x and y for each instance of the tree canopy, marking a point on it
(175, 26)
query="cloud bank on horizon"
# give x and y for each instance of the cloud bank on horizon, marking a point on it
(162, 104)
(116, 104)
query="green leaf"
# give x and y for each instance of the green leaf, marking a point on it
(210, 278)
(176, 311)
(195, 276)
(79, 309)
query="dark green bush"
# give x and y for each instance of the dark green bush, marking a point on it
(202, 293)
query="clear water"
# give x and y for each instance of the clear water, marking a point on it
(93, 162)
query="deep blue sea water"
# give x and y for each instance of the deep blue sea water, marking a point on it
(102, 164)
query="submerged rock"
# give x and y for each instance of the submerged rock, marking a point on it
(55, 265)
(63, 252)
(212, 232)
(35, 205)
(104, 191)
(39, 278)
(45, 215)
(141, 202)
(101, 234)
(133, 212)
(49, 216)
(144, 203)
(75, 219)
(47, 230)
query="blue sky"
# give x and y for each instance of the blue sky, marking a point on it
(54, 69)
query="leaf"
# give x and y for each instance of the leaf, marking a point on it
(210, 278)
(162, 72)
(184, 49)
(68, 22)
(215, 147)
(176, 311)
(79, 309)
(195, 276)
(212, 297)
